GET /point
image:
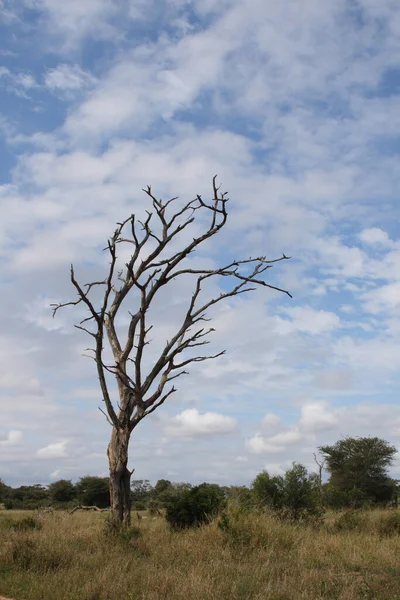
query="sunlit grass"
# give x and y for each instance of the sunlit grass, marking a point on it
(253, 556)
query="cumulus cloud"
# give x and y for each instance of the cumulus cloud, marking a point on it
(191, 423)
(56, 450)
(260, 445)
(375, 236)
(316, 417)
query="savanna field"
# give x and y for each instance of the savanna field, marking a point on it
(243, 555)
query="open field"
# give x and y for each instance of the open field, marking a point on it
(255, 556)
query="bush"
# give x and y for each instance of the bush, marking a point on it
(295, 496)
(241, 497)
(269, 491)
(389, 525)
(191, 508)
(350, 521)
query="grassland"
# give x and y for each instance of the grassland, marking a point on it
(255, 556)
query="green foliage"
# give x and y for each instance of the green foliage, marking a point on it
(28, 497)
(241, 497)
(4, 490)
(62, 491)
(141, 493)
(163, 490)
(358, 466)
(351, 520)
(296, 495)
(389, 525)
(269, 491)
(93, 491)
(301, 492)
(192, 507)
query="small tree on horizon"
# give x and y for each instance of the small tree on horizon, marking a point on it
(359, 467)
(154, 262)
(62, 490)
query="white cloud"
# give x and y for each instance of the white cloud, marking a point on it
(382, 300)
(316, 417)
(17, 82)
(66, 79)
(69, 23)
(11, 438)
(307, 320)
(192, 423)
(241, 459)
(270, 421)
(259, 445)
(374, 235)
(285, 438)
(56, 450)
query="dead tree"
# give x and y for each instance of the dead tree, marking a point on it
(321, 465)
(151, 266)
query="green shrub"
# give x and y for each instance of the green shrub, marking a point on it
(351, 520)
(191, 508)
(295, 496)
(389, 525)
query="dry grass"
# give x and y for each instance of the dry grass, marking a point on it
(255, 557)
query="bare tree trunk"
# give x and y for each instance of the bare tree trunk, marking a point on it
(120, 478)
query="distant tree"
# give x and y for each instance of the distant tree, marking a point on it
(297, 492)
(359, 467)
(4, 490)
(160, 246)
(28, 496)
(269, 491)
(162, 486)
(301, 492)
(93, 491)
(241, 496)
(181, 486)
(162, 491)
(141, 493)
(194, 506)
(62, 491)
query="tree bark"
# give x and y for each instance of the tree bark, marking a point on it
(120, 478)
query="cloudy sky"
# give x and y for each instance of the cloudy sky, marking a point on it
(295, 105)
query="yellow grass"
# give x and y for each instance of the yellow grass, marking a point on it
(256, 557)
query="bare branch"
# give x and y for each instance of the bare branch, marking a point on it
(148, 274)
(106, 416)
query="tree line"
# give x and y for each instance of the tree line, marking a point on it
(357, 469)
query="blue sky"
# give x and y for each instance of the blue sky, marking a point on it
(295, 106)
